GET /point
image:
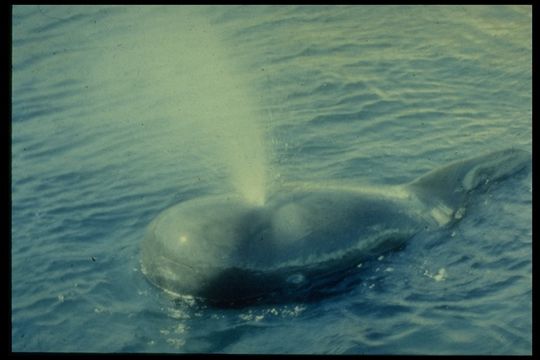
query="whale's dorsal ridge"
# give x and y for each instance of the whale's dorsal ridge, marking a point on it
(451, 183)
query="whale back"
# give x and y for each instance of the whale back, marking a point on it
(229, 251)
(450, 185)
(224, 249)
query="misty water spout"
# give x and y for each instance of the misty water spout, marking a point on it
(200, 111)
(223, 107)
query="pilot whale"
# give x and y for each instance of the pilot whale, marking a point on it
(229, 251)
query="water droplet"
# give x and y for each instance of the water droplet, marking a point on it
(273, 311)
(441, 275)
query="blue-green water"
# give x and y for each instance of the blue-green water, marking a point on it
(121, 112)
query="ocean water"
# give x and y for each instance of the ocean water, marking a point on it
(121, 112)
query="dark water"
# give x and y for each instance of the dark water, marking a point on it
(121, 112)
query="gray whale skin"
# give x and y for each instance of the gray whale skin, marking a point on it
(228, 251)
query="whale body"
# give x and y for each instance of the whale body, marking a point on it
(229, 251)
